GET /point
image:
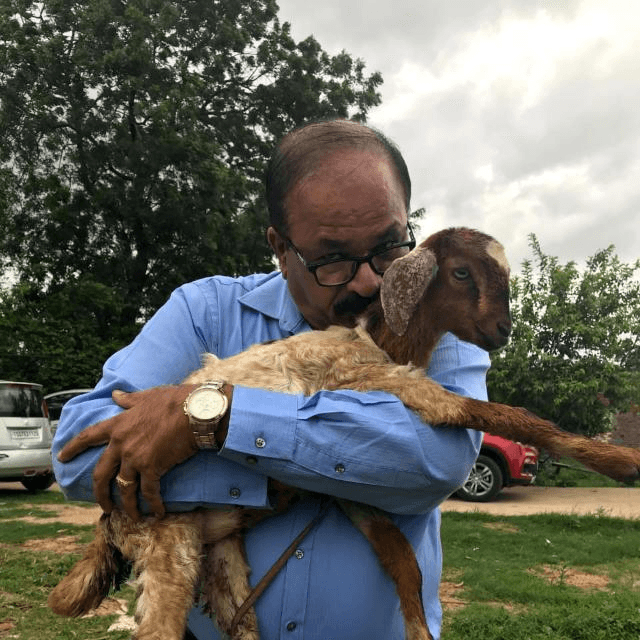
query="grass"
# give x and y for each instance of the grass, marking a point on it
(515, 577)
(21, 504)
(569, 473)
(27, 576)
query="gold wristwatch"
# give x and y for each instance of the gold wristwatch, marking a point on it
(205, 406)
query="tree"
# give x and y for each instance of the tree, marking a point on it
(134, 136)
(60, 339)
(575, 348)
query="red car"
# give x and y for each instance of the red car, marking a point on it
(501, 463)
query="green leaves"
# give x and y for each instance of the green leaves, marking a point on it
(576, 340)
(134, 138)
(61, 338)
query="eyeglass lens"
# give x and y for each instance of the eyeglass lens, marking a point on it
(341, 272)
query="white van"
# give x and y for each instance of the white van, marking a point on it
(25, 436)
(57, 400)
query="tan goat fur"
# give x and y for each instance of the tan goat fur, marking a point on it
(387, 353)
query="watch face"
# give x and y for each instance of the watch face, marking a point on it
(207, 404)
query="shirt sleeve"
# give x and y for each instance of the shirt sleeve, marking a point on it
(169, 347)
(365, 447)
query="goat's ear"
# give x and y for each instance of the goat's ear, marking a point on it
(403, 284)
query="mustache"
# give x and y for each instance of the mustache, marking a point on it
(353, 305)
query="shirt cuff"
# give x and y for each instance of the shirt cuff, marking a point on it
(262, 425)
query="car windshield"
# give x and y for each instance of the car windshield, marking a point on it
(56, 401)
(55, 410)
(20, 401)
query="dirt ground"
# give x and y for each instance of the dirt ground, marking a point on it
(517, 501)
(521, 501)
(619, 502)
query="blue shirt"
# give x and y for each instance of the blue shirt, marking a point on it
(366, 447)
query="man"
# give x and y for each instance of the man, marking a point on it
(338, 195)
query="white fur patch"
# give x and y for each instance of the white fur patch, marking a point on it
(496, 251)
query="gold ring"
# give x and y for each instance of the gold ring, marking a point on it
(123, 483)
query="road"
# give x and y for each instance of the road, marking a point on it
(521, 501)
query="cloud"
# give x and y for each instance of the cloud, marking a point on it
(516, 117)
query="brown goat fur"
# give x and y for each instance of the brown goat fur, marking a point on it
(465, 291)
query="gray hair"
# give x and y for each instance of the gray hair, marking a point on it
(304, 148)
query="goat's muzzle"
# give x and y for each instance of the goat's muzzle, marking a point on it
(494, 338)
(504, 328)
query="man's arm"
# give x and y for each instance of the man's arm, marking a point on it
(169, 347)
(365, 447)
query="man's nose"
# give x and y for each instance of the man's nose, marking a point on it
(366, 282)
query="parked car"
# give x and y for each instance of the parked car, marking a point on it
(25, 436)
(501, 463)
(57, 400)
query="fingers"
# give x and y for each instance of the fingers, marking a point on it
(143, 443)
(91, 437)
(123, 399)
(110, 467)
(104, 472)
(150, 489)
(127, 484)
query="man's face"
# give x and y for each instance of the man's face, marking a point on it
(349, 206)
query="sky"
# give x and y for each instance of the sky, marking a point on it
(515, 117)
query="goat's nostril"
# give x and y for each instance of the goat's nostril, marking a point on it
(504, 329)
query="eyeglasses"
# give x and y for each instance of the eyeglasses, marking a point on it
(338, 271)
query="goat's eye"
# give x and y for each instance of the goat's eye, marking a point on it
(461, 274)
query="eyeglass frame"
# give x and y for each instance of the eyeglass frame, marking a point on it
(358, 262)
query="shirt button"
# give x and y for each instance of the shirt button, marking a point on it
(339, 468)
(252, 460)
(260, 443)
(235, 492)
(291, 626)
(299, 554)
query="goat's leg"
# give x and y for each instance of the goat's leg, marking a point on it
(167, 566)
(398, 559)
(516, 423)
(89, 581)
(437, 406)
(226, 587)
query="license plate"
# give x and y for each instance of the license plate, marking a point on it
(25, 434)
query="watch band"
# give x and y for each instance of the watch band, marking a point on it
(205, 434)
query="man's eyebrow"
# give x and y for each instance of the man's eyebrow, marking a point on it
(328, 245)
(392, 233)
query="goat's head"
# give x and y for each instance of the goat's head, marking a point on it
(457, 280)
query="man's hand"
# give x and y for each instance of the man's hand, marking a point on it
(149, 438)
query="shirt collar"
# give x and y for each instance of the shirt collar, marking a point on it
(272, 298)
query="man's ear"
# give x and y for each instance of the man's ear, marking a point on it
(279, 246)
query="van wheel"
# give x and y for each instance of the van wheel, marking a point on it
(484, 481)
(41, 482)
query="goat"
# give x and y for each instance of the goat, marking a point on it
(457, 280)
